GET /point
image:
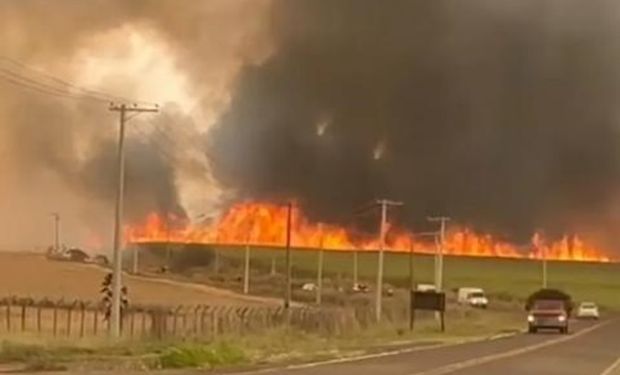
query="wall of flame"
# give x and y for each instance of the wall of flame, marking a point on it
(264, 224)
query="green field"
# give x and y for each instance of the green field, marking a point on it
(505, 279)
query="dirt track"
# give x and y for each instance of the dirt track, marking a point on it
(33, 275)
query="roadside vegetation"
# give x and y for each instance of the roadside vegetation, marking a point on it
(507, 283)
(273, 347)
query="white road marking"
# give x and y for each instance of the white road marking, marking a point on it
(369, 356)
(511, 353)
(614, 366)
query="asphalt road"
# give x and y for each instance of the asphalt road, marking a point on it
(590, 349)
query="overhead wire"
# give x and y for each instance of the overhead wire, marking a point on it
(62, 81)
(41, 89)
(18, 73)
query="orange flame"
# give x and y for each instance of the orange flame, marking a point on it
(264, 224)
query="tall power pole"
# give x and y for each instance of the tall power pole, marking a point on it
(319, 272)
(355, 268)
(288, 291)
(383, 203)
(56, 217)
(440, 250)
(115, 318)
(246, 267)
(544, 267)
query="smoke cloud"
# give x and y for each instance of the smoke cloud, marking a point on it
(59, 155)
(499, 114)
(502, 115)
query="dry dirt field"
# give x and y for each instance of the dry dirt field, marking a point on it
(32, 275)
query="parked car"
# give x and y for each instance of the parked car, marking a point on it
(474, 297)
(548, 314)
(588, 310)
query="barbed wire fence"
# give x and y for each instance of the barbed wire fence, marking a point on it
(84, 319)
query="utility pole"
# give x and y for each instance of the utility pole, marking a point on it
(168, 241)
(246, 267)
(56, 217)
(411, 283)
(272, 272)
(544, 267)
(384, 203)
(288, 291)
(355, 268)
(115, 318)
(319, 272)
(440, 250)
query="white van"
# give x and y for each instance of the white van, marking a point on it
(426, 288)
(474, 297)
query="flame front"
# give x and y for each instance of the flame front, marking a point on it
(264, 224)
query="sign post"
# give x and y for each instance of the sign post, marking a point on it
(428, 301)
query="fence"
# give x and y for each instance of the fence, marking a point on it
(61, 318)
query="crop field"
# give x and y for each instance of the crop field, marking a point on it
(506, 279)
(30, 275)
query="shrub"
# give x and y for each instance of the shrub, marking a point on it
(200, 356)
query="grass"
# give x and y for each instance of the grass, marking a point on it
(197, 355)
(265, 348)
(504, 279)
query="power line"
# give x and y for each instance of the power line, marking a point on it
(63, 82)
(42, 89)
(20, 74)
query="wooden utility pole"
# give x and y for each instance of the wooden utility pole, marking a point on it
(56, 217)
(115, 318)
(384, 203)
(355, 268)
(288, 291)
(411, 282)
(544, 267)
(319, 272)
(440, 250)
(168, 241)
(246, 267)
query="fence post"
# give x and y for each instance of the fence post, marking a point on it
(175, 318)
(132, 318)
(55, 319)
(82, 317)
(23, 316)
(215, 320)
(69, 315)
(95, 320)
(8, 315)
(143, 322)
(205, 309)
(185, 312)
(39, 307)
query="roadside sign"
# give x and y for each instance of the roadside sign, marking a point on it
(427, 301)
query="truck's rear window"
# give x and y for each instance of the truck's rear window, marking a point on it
(548, 305)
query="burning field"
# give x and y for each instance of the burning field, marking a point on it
(514, 135)
(265, 224)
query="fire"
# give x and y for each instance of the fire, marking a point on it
(265, 224)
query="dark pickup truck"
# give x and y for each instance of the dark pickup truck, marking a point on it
(548, 314)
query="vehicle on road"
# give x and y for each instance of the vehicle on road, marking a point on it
(588, 310)
(548, 314)
(474, 297)
(426, 288)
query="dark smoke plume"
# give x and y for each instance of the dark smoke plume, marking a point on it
(501, 114)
